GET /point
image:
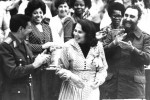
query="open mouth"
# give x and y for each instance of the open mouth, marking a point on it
(128, 24)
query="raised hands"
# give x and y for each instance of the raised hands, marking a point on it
(100, 35)
(119, 38)
(126, 45)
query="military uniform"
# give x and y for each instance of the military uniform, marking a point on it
(16, 59)
(126, 75)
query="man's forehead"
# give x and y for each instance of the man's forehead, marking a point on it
(131, 11)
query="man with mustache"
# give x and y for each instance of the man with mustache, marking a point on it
(126, 54)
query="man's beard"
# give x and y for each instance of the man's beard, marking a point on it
(131, 28)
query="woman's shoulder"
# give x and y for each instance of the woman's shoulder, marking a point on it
(70, 42)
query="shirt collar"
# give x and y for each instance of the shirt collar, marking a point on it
(137, 32)
(16, 42)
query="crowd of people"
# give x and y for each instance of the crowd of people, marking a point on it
(74, 49)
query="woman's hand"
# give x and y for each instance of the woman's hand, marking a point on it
(77, 81)
(63, 73)
(97, 83)
(46, 45)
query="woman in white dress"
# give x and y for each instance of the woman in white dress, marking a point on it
(83, 66)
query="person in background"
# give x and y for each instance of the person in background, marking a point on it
(89, 9)
(97, 10)
(126, 54)
(17, 61)
(62, 26)
(145, 18)
(62, 31)
(39, 39)
(83, 66)
(116, 12)
(127, 3)
(4, 19)
(106, 20)
(23, 5)
(80, 8)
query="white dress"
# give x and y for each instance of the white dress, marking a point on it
(73, 60)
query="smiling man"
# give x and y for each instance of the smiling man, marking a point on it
(126, 54)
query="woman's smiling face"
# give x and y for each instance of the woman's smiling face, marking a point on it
(79, 34)
(79, 7)
(37, 15)
(63, 10)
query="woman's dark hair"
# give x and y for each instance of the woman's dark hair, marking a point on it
(116, 6)
(59, 2)
(87, 3)
(35, 4)
(137, 8)
(90, 30)
(146, 3)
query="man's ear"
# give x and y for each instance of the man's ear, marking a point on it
(20, 29)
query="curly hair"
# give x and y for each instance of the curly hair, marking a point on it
(87, 3)
(116, 6)
(90, 30)
(59, 2)
(35, 4)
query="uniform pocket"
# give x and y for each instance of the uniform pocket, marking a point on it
(140, 79)
(19, 89)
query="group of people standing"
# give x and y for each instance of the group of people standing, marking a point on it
(93, 63)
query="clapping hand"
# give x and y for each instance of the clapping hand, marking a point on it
(119, 37)
(126, 45)
(100, 35)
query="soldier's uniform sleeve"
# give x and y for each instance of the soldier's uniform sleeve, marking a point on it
(10, 65)
(143, 55)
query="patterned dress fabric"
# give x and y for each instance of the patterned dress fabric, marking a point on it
(73, 59)
(42, 79)
(37, 38)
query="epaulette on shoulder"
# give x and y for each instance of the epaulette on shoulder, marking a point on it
(8, 40)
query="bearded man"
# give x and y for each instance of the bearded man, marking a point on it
(126, 54)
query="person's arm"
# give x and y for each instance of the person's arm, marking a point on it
(68, 28)
(102, 70)
(64, 71)
(9, 65)
(13, 67)
(143, 55)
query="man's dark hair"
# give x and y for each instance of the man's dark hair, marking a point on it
(59, 2)
(87, 3)
(90, 30)
(18, 20)
(116, 6)
(35, 4)
(137, 8)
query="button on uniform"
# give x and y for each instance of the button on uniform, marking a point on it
(19, 92)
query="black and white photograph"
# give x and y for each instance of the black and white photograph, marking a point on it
(74, 49)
